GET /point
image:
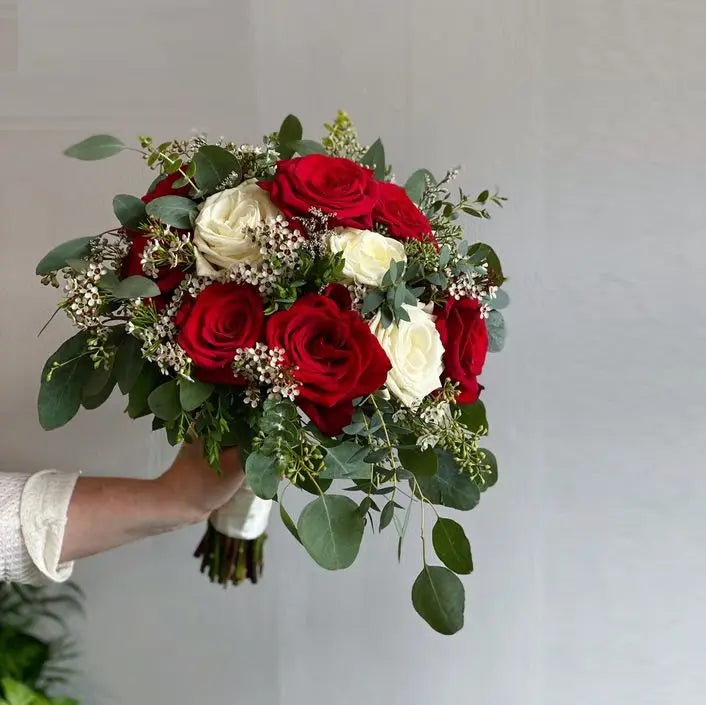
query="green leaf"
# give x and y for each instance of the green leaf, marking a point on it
(60, 398)
(147, 380)
(263, 474)
(193, 394)
(473, 416)
(331, 529)
(372, 301)
(135, 287)
(288, 522)
(386, 515)
(346, 461)
(57, 258)
(213, 166)
(129, 210)
(439, 598)
(501, 300)
(17, 693)
(375, 159)
(128, 363)
(177, 211)
(96, 147)
(495, 323)
(444, 256)
(289, 132)
(479, 252)
(364, 506)
(450, 487)
(452, 546)
(307, 484)
(490, 473)
(98, 387)
(306, 147)
(164, 401)
(419, 462)
(417, 183)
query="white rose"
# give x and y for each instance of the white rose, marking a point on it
(367, 255)
(221, 239)
(415, 350)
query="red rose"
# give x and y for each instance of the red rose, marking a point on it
(335, 356)
(398, 213)
(167, 278)
(339, 187)
(222, 318)
(165, 187)
(465, 340)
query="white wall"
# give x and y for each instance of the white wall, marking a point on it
(590, 114)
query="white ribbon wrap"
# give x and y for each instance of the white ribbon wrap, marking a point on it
(245, 516)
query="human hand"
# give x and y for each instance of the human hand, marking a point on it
(193, 485)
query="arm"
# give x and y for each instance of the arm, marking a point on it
(49, 519)
(107, 512)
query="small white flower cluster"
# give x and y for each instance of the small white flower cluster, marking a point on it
(83, 297)
(358, 293)
(158, 332)
(281, 249)
(263, 366)
(473, 286)
(166, 249)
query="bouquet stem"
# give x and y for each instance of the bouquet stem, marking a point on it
(230, 560)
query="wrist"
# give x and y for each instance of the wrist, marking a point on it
(177, 511)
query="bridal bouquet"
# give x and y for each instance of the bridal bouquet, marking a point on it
(293, 300)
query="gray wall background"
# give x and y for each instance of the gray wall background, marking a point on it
(589, 553)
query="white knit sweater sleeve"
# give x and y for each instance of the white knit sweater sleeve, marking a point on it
(33, 511)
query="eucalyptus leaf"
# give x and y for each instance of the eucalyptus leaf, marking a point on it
(95, 147)
(289, 132)
(99, 386)
(473, 416)
(489, 475)
(135, 287)
(346, 461)
(177, 211)
(372, 301)
(128, 363)
(129, 210)
(417, 183)
(288, 522)
(57, 258)
(452, 546)
(164, 401)
(449, 487)
(213, 166)
(60, 398)
(439, 598)
(495, 323)
(148, 379)
(193, 394)
(386, 515)
(419, 462)
(501, 300)
(331, 529)
(375, 159)
(263, 474)
(306, 147)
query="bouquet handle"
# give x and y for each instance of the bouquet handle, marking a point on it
(231, 550)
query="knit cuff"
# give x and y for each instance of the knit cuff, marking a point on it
(43, 512)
